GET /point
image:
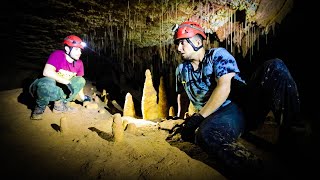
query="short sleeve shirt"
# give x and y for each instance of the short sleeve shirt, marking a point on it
(63, 67)
(200, 83)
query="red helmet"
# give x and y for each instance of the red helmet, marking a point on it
(74, 41)
(188, 29)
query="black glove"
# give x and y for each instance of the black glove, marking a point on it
(87, 98)
(190, 125)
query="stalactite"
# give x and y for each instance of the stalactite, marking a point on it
(231, 31)
(129, 46)
(176, 10)
(118, 44)
(133, 54)
(258, 45)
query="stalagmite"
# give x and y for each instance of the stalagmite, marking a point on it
(191, 109)
(117, 128)
(104, 93)
(128, 109)
(63, 125)
(149, 106)
(163, 103)
(171, 111)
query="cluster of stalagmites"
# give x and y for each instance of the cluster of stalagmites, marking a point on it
(154, 109)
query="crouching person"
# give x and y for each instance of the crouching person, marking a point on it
(62, 81)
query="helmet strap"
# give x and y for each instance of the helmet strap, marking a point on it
(74, 60)
(193, 46)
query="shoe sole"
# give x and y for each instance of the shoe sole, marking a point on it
(59, 112)
(35, 118)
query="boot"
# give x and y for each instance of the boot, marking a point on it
(37, 113)
(60, 106)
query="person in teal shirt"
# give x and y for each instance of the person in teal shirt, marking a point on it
(226, 105)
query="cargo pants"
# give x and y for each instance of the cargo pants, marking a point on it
(46, 89)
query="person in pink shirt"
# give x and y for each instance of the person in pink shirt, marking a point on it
(62, 79)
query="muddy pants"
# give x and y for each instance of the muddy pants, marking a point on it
(46, 89)
(218, 135)
(270, 88)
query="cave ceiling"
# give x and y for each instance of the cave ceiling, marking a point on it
(144, 23)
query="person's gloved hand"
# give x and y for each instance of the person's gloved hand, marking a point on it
(87, 98)
(190, 125)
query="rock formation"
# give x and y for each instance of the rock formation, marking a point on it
(128, 109)
(149, 106)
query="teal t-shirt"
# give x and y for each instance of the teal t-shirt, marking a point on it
(199, 84)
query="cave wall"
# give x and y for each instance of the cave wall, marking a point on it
(127, 37)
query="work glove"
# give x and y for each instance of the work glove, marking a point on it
(87, 98)
(190, 125)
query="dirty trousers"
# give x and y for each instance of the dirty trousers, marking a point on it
(46, 89)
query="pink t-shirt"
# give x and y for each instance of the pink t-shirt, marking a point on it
(63, 67)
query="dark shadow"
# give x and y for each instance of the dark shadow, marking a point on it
(112, 109)
(258, 141)
(102, 134)
(195, 152)
(25, 97)
(56, 127)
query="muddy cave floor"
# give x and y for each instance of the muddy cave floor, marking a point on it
(81, 146)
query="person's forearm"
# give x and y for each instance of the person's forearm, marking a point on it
(55, 76)
(219, 95)
(179, 105)
(217, 98)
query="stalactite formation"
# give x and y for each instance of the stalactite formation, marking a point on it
(145, 23)
(126, 37)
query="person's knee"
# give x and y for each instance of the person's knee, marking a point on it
(78, 81)
(276, 62)
(45, 83)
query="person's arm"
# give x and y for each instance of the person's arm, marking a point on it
(219, 95)
(179, 105)
(50, 71)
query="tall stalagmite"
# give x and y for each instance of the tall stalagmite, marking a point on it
(149, 106)
(128, 109)
(163, 103)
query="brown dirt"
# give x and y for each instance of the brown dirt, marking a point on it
(81, 146)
